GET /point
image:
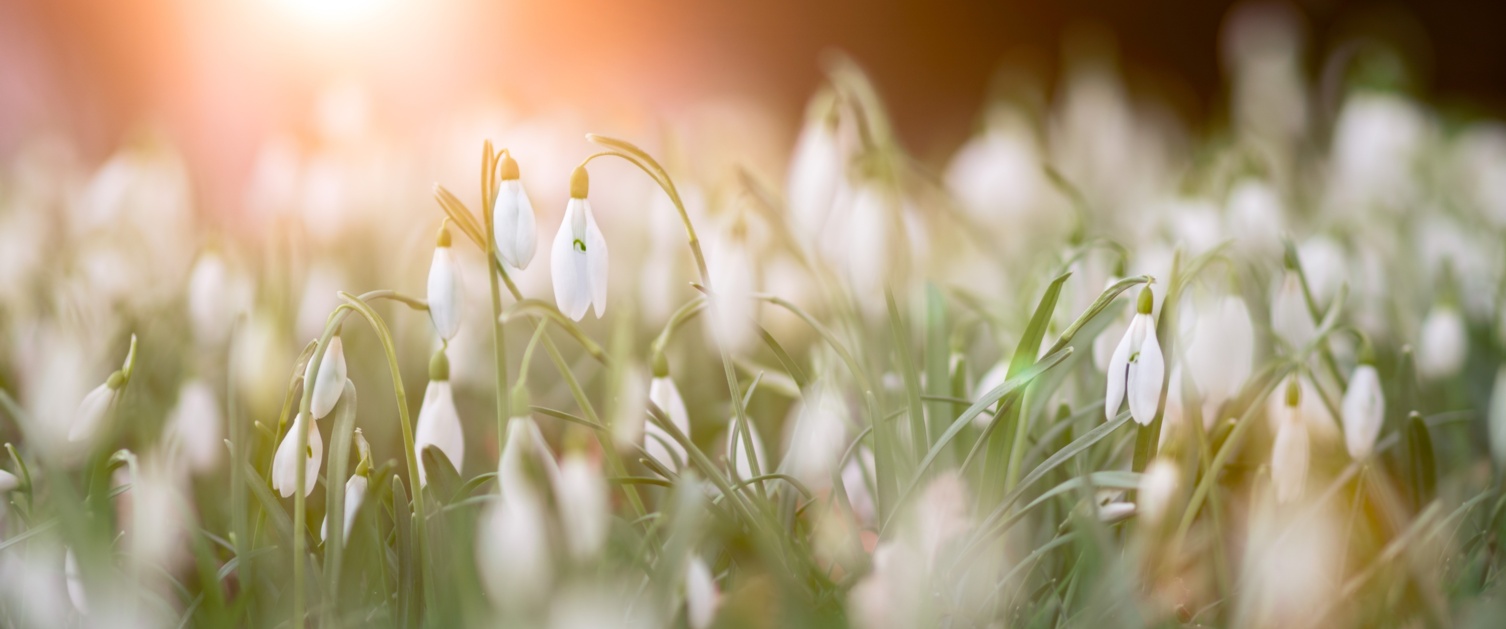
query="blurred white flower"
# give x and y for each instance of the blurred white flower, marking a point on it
(355, 494)
(446, 294)
(513, 220)
(285, 463)
(321, 295)
(197, 426)
(580, 492)
(1289, 456)
(512, 549)
(996, 175)
(1376, 142)
(578, 258)
(1364, 410)
(855, 477)
(1290, 318)
(657, 442)
(216, 295)
(1116, 511)
(737, 450)
(816, 435)
(1497, 418)
(1442, 344)
(1159, 486)
(862, 246)
(1221, 353)
(525, 455)
(438, 420)
(1255, 212)
(732, 269)
(1137, 368)
(75, 581)
(702, 597)
(330, 381)
(157, 535)
(816, 169)
(8, 482)
(1326, 266)
(95, 409)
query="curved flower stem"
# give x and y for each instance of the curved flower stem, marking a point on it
(335, 320)
(409, 449)
(645, 162)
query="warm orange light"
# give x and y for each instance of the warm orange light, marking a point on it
(333, 13)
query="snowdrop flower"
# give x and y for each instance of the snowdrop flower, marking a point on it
(656, 441)
(1158, 488)
(1442, 344)
(355, 494)
(580, 492)
(438, 421)
(1289, 456)
(816, 168)
(863, 246)
(1221, 353)
(855, 477)
(701, 594)
(215, 296)
(737, 450)
(1364, 408)
(1497, 418)
(817, 435)
(8, 482)
(196, 424)
(513, 219)
(524, 453)
(285, 462)
(95, 408)
(578, 258)
(446, 295)
(330, 381)
(1290, 318)
(355, 490)
(513, 549)
(1137, 368)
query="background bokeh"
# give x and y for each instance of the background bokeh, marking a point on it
(220, 77)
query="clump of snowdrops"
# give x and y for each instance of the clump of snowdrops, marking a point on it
(1080, 378)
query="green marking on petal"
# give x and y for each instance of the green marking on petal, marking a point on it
(580, 245)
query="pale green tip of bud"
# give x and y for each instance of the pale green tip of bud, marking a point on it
(1367, 353)
(580, 183)
(660, 365)
(1293, 392)
(1147, 301)
(443, 240)
(509, 168)
(116, 381)
(439, 367)
(363, 468)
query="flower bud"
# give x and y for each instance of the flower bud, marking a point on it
(285, 462)
(438, 420)
(446, 294)
(330, 382)
(513, 220)
(1364, 410)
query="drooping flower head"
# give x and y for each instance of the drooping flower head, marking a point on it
(330, 381)
(579, 255)
(446, 295)
(1289, 456)
(512, 219)
(1364, 408)
(1137, 368)
(285, 463)
(438, 421)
